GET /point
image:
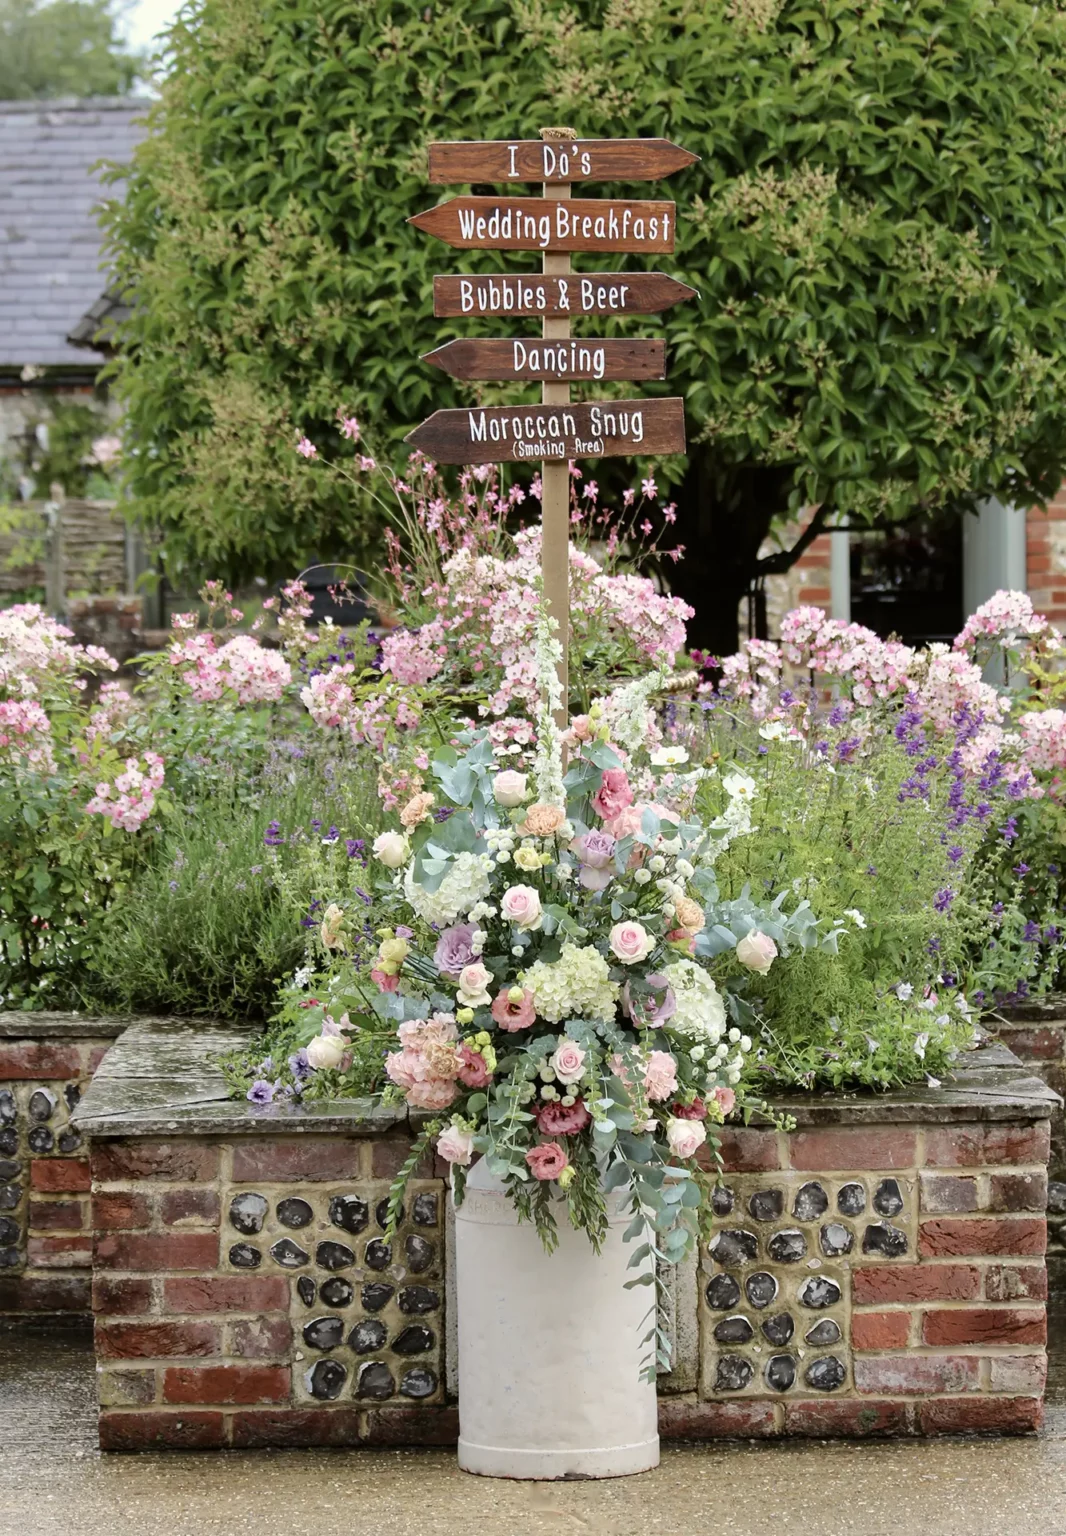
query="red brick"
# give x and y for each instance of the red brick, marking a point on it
(60, 1252)
(972, 1146)
(853, 1147)
(905, 1375)
(993, 1415)
(118, 1296)
(59, 1175)
(946, 1194)
(318, 1159)
(155, 1341)
(412, 1426)
(119, 1211)
(122, 1431)
(226, 1384)
(1035, 1044)
(1016, 1282)
(846, 1417)
(96, 1056)
(749, 1151)
(1018, 1373)
(179, 1162)
(260, 1338)
(1018, 1191)
(943, 1237)
(255, 1429)
(21, 1060)
(149, 1251)
(388, 1155)
(227, 1293)
(985, 1325)
(915, 1282)
(44, 1294)
(198, 1206)
(880, 1330)
(50, 1215)
(686, 1418)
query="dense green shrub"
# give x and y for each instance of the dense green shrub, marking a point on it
(875, 228)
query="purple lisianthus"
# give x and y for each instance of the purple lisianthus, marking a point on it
(454, 949)
(262, 1092)
(648, 1011)
(595, 853)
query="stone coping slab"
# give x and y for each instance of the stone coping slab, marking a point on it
(19, 1024)
(160, 1079)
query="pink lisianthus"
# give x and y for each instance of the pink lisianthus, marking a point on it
(547, 1160)
(384, 982)
(562, 1119)
(697, 1110)
(726, 1100)
(682, 939)
(660, 1076)
(474, 1072)
(511, 1015)
(613, 795)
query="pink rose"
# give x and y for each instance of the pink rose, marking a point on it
(630, 942)
(473, 985)
(509, 788)
(513, 1015)
(568, 1061)
(613, 795)
(547, 1160)
(660, 1076)
(474, 1072)
(726, 1100)
(436, 1093)
(456, 1145)
(697, 1110)
(384, 982)
(685, 1137)
(520, 904)
(757, 951)
(595, 853)
(562, 1119)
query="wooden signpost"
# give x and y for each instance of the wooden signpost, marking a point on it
(556, 225)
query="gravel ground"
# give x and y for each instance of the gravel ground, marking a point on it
(54, 1481)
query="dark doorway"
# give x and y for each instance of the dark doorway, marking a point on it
(907, 581)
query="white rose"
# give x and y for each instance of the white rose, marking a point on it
(473, 986)
(685, 1137)
(456, 1145)
(392, 849)
(521, 905)
(757, 951)
(326, 1051)
(509, 788)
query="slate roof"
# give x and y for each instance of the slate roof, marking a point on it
(50, 263)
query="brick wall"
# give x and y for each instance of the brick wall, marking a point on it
(45, 1224)
(1036, 1032)
(874, 1279)
(1045, 559)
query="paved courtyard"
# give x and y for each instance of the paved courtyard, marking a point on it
(54, 1481)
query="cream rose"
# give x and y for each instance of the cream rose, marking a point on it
(527, 859)
(326, 1051)
(630, 942)
(568, 1061)
(684, 1137)
(757, 951)
(473, 986)
(509, 788)
(520, 905)
(456, 1145)
(391, 849)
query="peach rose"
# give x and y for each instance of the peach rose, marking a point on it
(542, 821)
(630, 942)
(726, 1100)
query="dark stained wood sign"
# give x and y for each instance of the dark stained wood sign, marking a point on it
(568, 160)
(527, 357)
(548, 224)
(517, 433)
(583, 293)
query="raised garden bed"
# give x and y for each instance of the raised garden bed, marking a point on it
(878, 1270)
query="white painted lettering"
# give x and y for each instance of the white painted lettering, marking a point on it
(466, 295)
(477, 426)
(512, 167)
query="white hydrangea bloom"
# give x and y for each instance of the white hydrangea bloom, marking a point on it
(700, 1009)
(577, 985)
(466, 883)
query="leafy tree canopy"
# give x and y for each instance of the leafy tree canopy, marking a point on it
(52, 48)
(876, 228)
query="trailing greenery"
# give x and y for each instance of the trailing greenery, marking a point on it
(875, 229)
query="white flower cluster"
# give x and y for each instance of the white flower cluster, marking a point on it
(577, 985)
(466, 883)
(628, 715)
(548, 756)
(735, 820)
(700, 1010)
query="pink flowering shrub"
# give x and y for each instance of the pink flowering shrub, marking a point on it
(130, 800)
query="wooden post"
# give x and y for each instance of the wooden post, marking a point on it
(555, 476)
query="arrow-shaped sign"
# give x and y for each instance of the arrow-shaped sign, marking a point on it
(526, 357)
(598, 429)
(560, 160)
(543, 224)
(584, 293)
